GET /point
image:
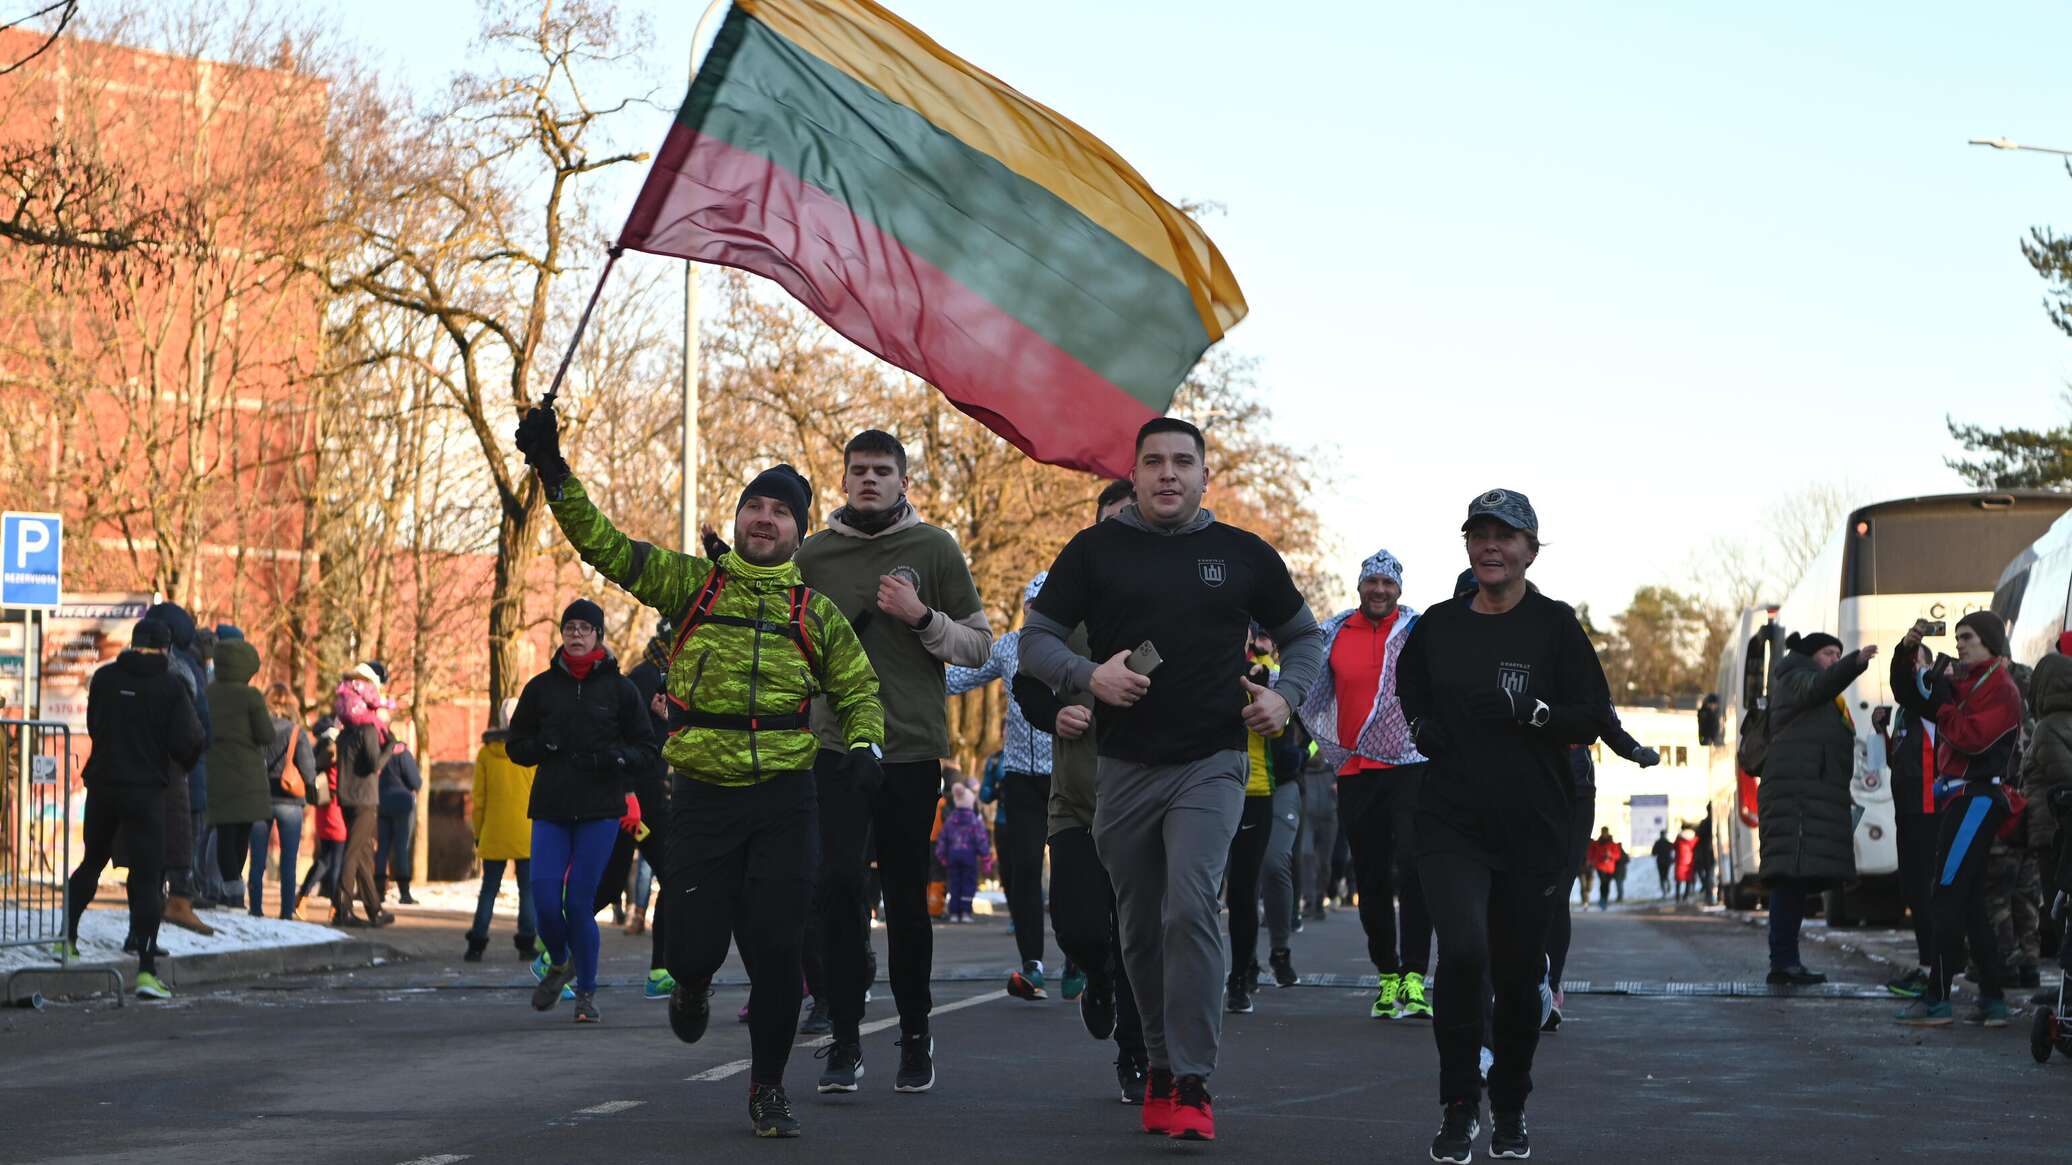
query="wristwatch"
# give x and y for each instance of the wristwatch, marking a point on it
(1540, 714)
(876, 752)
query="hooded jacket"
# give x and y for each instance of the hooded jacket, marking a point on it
(1384, 734)
(746, 668)
(187, 665)
(141, 722)
(1977, 714)
(586, 737)
(2048, 761)
(496, 809)
(242, 734)
(1803, 801)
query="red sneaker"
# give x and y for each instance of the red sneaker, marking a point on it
(1158, 1103)
(1193, 1118)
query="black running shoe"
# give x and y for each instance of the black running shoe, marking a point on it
(1236, 999)
(916, 1064)
(844, 1065)
(1794, 977)
(1283, 963)
(547, 992)
(690, 1009)
(817, 1021)
(1130, 1075)
(1097, 1008)
(770, 1111)
(1455, 1144)
(1507, 1139)
(586, 1008)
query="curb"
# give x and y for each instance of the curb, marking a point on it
(201, 970)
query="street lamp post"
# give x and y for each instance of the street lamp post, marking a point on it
(2006, 144)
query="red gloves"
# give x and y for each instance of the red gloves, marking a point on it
(631, 822)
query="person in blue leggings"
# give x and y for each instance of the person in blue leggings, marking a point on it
(582, 724)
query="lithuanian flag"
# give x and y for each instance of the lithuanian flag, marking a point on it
(941, 220)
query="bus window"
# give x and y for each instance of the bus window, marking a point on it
(1683, 756)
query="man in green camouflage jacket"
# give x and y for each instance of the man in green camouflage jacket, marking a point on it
(753, 648)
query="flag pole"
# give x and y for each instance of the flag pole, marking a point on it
(612, 254)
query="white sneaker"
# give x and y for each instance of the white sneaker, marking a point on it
(1487, 1058)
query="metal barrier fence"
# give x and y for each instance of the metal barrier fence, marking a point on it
(36, 854)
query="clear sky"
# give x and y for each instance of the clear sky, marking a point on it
(1653, 265)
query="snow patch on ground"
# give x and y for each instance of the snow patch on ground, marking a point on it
(101, 933)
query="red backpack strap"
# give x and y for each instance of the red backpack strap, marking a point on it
(800, 596)
(698, 612)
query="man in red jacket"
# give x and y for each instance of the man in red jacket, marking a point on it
(1977, 712)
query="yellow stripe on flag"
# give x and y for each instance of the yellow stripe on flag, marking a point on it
(882, 51)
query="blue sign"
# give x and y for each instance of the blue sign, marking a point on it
(32, 560)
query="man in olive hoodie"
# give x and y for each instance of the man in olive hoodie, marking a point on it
(144, 732)
(905, 587)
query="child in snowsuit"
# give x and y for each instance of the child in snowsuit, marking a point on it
(963, 847)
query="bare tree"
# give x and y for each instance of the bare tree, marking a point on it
(1790, 533)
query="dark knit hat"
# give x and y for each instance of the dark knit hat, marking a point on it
(152, 634)
(1990, 629)
(1811, 644)
(380, 671)
(587, 611)
(785, 484)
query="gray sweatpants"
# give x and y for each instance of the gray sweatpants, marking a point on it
(1277, 879)
(1164, 833)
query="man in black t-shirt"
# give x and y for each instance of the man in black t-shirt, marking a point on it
(1172, 745)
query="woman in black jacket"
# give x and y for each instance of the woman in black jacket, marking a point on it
(583, 726)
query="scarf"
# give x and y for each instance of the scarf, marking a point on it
(579, 665)
(872, 525)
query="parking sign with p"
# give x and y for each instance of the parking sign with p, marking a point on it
(32, 560)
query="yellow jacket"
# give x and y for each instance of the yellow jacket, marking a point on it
(502, 789)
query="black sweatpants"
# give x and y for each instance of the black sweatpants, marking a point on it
(139, 811)
(1918, 838)
(233, 846)
(899, 816)
(1026, 797)
(1492, 927)
(740, 871)
(1582, 813)
(356, 879)
(654, 813)
(1957, 902)
(1082, 911)
(1374, 814)
(1241, 883)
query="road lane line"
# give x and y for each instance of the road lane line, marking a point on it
(736, 1067)
(609, 1107)
(440, 1159)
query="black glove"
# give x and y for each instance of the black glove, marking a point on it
(865, 770)
(715, 546)
(539, 439)
(1430, 739)
(1645, 757)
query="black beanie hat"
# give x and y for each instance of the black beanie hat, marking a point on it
(786, 485)
(1989, 628)
(380, 671)
(587, 611)
(151, 633)
(1811, 644)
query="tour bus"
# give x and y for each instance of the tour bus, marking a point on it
(2035, 594)
(1937, 558)
(1742, 684)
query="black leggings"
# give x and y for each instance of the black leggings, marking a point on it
(1082, 911)
(899, 816)
(1492, 930)
(141, 811)
(740, 872)
(233, 845)
(1241, 884)
(1581, 813)
(1957, 901)
(1374, 815)
(1026, 797)
(1918, 841)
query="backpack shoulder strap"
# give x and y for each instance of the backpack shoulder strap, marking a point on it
(800, 596)
(697, 613)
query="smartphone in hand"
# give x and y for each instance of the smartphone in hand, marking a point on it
(1144, 660)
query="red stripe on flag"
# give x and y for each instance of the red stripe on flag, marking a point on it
(708, 201)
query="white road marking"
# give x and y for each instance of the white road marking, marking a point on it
(609, 1107)
(440, 1159)
(736, 1067)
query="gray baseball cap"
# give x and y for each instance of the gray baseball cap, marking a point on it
(1510, 507)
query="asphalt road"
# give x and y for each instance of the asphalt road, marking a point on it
(432, 1062)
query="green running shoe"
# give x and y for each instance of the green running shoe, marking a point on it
(540, 968)
(1922, 1013)
(149, 987)
(1075, 982)
(1385, 1000)
(1414, 1005)
(659, 984)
